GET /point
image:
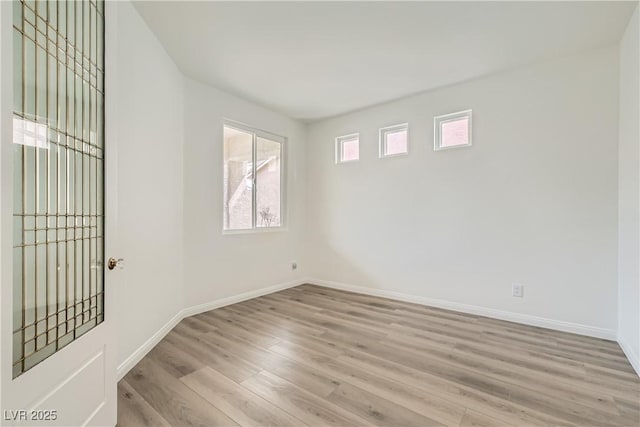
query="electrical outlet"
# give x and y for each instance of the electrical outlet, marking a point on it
(294, 265)
(517, 290)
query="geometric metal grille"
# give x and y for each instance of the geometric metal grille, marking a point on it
(58, 203)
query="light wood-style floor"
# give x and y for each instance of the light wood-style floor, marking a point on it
(321, 357)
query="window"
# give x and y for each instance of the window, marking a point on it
(252, 179)
(452, 130)
(348, 148)
(393, 140)
(58, 162)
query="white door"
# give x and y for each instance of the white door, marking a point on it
(57, 228)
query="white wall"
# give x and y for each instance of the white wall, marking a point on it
(534, 201)
(628, 193)
(170, 195)
(217, 265)
(150, 183)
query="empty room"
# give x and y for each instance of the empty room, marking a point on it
(321, 213)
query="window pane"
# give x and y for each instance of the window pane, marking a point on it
(269, 155)
(237, 178)
(455, 132)
(350, 150)
(347, 148)
(395, 142)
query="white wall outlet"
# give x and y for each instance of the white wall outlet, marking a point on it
(517, 290)
(294, 265)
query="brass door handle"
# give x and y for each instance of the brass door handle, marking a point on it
(113, 263)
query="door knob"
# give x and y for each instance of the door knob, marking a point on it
(113, 263)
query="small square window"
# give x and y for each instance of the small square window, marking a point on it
(348, 148)
(393, 140)
(452, 130)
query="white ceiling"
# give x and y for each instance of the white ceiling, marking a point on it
(312, 60)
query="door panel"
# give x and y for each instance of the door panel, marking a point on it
(89, 377)
(56, 353)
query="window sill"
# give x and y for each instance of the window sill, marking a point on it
(386, 156)
(340, 162)
(450, 147)
(260, 230)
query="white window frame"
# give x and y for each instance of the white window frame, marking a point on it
(340, 140)
(383, 139)
(437, 124)
(255, 134)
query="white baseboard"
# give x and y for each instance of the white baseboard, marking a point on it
(145, 348)
(201, 308)
(526, 319)
(631, 355)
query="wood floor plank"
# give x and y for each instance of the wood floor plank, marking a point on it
(301, 403)
(240, 330)
(197, 323)
(439, 410)
(243, 406)
(316, 382)
(579, 356)
(528, 387)
(476, 419)
(262, 311)
(220, 360)
(134, 411)
(187, 331)
(277, 334)
(173, 400)
(174, 359)
(267, 330)
(498, 407)
(316, 356)
(599, 406)
(376, 409)
(630, 410)
(410, 310)
(544, 332)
